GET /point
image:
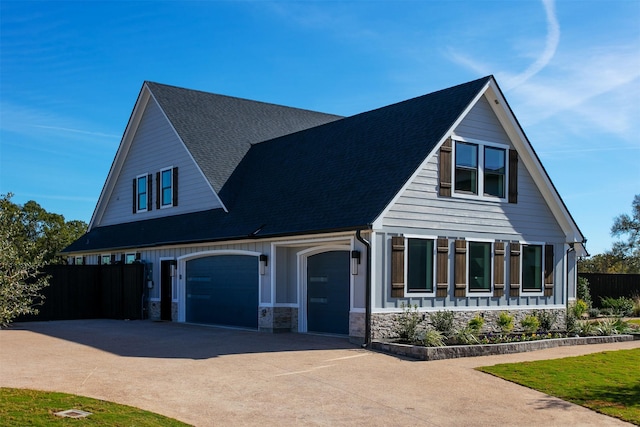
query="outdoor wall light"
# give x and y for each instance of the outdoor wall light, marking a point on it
(355, 260)
(263, 263)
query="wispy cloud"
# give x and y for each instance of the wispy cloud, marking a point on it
(80, 131)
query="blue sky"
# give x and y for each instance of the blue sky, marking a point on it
(70, 73)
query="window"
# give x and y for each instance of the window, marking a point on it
(480, 169)
(142, 193)
(532, 268)
(466, 168)
(479, 267)
(494, 171)
(129, 258)
(105, 259)
(79, 260)
(166, 188)
(420, 265)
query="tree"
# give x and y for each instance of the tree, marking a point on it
(624, 257)
(30, 238)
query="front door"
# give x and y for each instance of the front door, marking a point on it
(328, 281)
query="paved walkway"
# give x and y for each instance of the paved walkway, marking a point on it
(219, 377)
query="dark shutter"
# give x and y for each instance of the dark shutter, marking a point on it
(445, 169)
(460, 266)
(158, 190)
(397, 267)
(514, 267)
(135, 196)
(498, 269)
(175, 186)
(113, 259)
(548, 270)
(513, 176)
(149, 192)
(99, 259)
(84, 260)
(442, 268)
(137, 256)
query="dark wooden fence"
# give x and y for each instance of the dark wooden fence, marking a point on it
(611, 285)
(92, 292)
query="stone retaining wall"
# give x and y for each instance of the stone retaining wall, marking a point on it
(456, 351)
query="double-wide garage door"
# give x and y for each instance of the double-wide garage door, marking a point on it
(223, 290)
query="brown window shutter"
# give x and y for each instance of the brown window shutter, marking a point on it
(397, 267)
(149, 192)
(460, 265)
(175, 186)
(548, 270)
(135, 196)
(442, 268)
(513, 176)
(445, 169)
(498, 269)
(514, 267)
(158, 190)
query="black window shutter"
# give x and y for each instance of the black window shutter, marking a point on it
(158, 190)
(175, 186)
(397, 267)
(99, 259)
(135, 196)
(548, 270)
(444, 169)
(149, 189)
(513, 176)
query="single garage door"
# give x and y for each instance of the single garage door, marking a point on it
(223, 290)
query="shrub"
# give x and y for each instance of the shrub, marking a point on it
(530, 324)
(430, 338)
(587, 328)
(606, 327)
(621, 306)
(408, 322)
(466, 336)
(442, 321)
(476, 323)
(583, 292)
(594, 312)
(579, 308)
(505, 322)
(573, 327)
(635, 311)
(546, 320)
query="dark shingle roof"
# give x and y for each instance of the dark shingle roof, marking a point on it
(218, 130)
(336, 176)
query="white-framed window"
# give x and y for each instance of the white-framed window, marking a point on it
(479, 266)
(142, 187)
(420, 265)
(105, 259)
(129, 258)
(165, 187)
(532, 267)
(79, 260)
(480, 168)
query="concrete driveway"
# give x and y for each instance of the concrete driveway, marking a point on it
(218, 377)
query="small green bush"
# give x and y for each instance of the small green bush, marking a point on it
(586, 328)
(546, 320)
(430, 338)
(594, 312)
(579, 308)
(583, 292)
(621, 306)
(442, 321)
(530, 324)
(408, 322)
(476, 323)
(466, 336)
(635, 311)
(505, 322)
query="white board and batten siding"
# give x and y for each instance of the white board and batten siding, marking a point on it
(155, 147)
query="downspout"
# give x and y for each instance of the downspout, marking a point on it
(367, 310)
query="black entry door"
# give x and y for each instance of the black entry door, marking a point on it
(328, 281)
(165, 289)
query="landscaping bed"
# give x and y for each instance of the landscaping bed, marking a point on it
(455, 351)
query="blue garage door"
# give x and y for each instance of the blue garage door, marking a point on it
(223, 290)
(328, 280)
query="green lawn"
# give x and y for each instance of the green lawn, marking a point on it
(606, 382)
(19, 407)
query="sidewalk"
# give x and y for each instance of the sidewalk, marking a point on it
(218, 377)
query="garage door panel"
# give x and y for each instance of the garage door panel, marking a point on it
(223, 290)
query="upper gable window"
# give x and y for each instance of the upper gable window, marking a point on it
(480, 169)
(166, 188)
(142, 193)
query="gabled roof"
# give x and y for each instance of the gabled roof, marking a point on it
(336, 176)
(219, 130)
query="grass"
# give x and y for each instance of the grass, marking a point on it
(20, 407)
(607, 382)
(634, 321)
